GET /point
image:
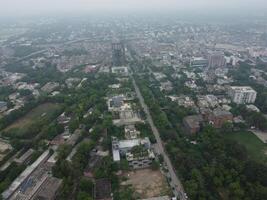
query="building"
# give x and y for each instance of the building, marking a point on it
(20, 180)
(242, 95)
(218, 117)
(263, 60)
(121, 70)
(5, 148)
(216, 60)
(131, 132)
(118, 54)
(25, 157)
(50, 87)
(137, 152)
(140, 157)
(199, 62)
(127, 117)
(102, 190)
(253, 108)
(192, 124)
(3, 106)
(166, 86)
(115, 103)
(48, 190)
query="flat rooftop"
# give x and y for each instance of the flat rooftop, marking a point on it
(243, 88)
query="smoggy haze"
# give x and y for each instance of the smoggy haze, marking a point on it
(14, 7)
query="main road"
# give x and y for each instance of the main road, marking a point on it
(174, 182)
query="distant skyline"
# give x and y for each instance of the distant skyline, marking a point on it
(28, 7)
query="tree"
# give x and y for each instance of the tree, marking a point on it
(84, 196)
(86, 185)
(155, 165)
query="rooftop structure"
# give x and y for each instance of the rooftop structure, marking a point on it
(4, 146)
(131, 132)
(127, 117)
(50, 87)
(263, 59)
(25, 156)
(121, 147)
(167, 86)
(121, 70)
(48, 190)
(116, 102)
(251, 107)
(25, 174)
(140, 157)
(218, 117)
(216, 60)
(74, 137)
(102, 189)
(212, 100)
(3, 106)
(63, 119)
(192, 123)
(199, 62)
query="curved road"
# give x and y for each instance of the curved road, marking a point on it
(175, 182)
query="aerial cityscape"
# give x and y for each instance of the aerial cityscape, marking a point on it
(133, 100)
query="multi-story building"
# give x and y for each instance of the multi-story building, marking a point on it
(199, 62)
(216, 60)
(118, 54)
(242, 95)
(137, 152)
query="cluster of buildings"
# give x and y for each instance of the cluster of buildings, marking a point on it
(122, 111)
(35, 182)
(216, 118)
(216, 112)
(137, 151)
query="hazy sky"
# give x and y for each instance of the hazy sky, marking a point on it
(13, 7)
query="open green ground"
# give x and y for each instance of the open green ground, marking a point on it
(255, 147)
(42, 111)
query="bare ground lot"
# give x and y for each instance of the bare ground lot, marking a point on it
(147, 183)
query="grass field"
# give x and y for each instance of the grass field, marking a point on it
(42, 111)
(255, 147)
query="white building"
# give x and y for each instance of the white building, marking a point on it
(122, 70)
(137, 152)
(242, 95)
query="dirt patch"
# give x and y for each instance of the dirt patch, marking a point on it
(147, 183)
